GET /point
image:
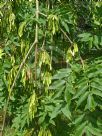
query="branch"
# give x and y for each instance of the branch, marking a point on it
(14, 82)
(82, 62)
(36, 37)
(66, 36)
(21, 66)
(42, 14)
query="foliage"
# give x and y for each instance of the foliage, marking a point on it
(66, 97)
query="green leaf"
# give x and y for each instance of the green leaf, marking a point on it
(87, 132)
(57, 84)
(21, 27)
(80, 129)
(80, 92)
(96, 86)
(90, 42)
(75, 47)
(67, 96)
(69, 55)
(97, 82)
(82, 82)
(70, 88)
(90, 103)
(94, 74)
(1, 53)
(11, 19)
(96, 41)
(99, 122)
(65, 70)
(82, 98)
(64, 24)
(42, 118)
(85, 37)
(101, 41)
(79, 119)
(2, 4)
(55, 112)
(52, 122)
(97, 92)
(58, 93)
(76, 67)
(94, 131)
(66, 112)
(60, 75)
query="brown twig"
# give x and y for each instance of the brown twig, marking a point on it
(66, 36)
(36, 37)
(82, 62)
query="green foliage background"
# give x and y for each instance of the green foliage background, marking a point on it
(66, 97)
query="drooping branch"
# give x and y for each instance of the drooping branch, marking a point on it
(12, 87)
(21, 66)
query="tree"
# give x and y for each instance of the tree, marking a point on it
(50, 67)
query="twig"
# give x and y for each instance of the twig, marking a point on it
(66, 36)
(36, 37)
(43, 44)
(82, 62)
(42, 14)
